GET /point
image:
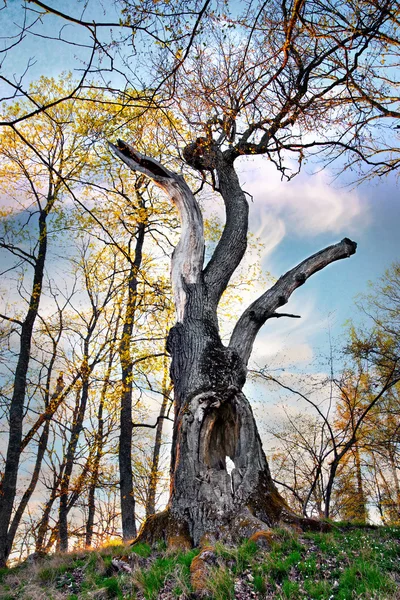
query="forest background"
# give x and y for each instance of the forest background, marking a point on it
(101, 221)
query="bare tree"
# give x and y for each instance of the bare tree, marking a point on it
(265, 92)
(342, 427)
(213, 419)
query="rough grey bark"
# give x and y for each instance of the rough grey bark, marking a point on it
(213, 419)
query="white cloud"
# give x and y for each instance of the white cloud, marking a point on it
(284, 342)
(271, 230)
(276, 352)
(307, 205)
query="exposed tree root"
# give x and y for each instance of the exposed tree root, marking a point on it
(163, 526)
(245, 525)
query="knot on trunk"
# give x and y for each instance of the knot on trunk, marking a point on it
(224, 369)
(174, 338)
(201, 154)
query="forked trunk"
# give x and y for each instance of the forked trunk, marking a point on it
(221, 487)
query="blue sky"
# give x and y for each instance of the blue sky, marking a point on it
(293, 219)
(297, 218)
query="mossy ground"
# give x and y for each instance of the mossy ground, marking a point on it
(344, 564)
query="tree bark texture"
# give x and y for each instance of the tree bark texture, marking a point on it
(214, 425)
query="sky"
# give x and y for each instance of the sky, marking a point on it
(297, 218)
(292, 219)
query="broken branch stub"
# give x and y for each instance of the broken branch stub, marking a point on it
(188, 256)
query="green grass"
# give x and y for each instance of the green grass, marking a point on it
(246, 552)
(113, 587)
(259, 583)
(290, 589)
(141, 549)
(174, 567)
(222, 584)
(347, 563)
(319, 590)
(3, 572)
(50, 574)
(362, 580)
(308, 567)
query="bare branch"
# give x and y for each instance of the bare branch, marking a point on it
(16, 321)
(187, 258)
(265, 306)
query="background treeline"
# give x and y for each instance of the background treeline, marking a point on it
(86, 307)
(85, 391)
(339, 456)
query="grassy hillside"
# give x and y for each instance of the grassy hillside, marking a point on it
(344, 564)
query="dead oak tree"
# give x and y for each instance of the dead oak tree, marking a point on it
(274, 82)
(213, 418)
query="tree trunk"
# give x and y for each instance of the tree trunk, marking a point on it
(129, 530)
(77, 426)
(395, 477)
(125, 465)
(8, 483)
(99, 443)
(154, 473)
(213, 422)
(360, 511)
(43, 525)
(41, 449)
(42, 444)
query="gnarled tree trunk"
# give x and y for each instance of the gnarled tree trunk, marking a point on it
(215, 428)
(214, 425)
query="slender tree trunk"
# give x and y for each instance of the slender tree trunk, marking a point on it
(360, 511)
(76, 430)
(380, 500)
(94, 474)
(154, 474)
(43, 525)
(32, 485)
(129, 531)
(125, 462)
(42, 445)
(329, 486)
(8, 484)
(395, 478)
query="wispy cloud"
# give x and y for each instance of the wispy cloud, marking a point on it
(304, 206)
